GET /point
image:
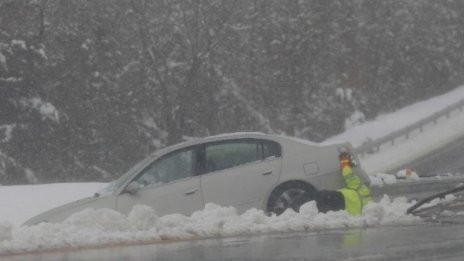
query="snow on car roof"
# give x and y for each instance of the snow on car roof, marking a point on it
(257, 135)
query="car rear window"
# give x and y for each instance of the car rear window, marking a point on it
(271, 149)
(224, 155)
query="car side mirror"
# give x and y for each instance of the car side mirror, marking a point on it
(132, 188)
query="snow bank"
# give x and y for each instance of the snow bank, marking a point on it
(103, 226)
(5, 232)
(19, 203)
(382, 179)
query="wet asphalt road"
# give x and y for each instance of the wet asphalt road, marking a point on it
(418, 242)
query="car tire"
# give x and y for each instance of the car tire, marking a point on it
(290, 195)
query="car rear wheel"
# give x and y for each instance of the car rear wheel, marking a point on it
(289, 195)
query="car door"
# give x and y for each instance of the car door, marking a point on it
(240, 172)
(169, 185)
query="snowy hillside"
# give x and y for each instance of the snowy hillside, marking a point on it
(418, 144)
(388, 123)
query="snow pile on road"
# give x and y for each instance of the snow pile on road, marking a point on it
(103, 226)
(382, 179)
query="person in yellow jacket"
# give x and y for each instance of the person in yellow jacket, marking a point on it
(356, 194)
(352, 198)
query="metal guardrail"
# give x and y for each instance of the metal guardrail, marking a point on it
(372, 146)
(416, 189)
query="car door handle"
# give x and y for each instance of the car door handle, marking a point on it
(191, 192)
(267, 173)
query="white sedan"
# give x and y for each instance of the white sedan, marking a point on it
(243, 170)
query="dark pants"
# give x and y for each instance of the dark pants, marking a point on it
(326, 200)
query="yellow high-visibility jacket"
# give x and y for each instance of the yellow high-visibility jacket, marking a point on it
(356, 194)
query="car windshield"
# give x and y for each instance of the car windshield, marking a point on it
(445, 207)
(116, 184)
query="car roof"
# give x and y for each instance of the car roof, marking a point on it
(232, 136)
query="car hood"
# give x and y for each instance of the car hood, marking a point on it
(60, 213)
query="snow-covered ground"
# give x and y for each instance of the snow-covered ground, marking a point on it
(18, 203)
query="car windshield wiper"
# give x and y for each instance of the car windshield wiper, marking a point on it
(412, 209)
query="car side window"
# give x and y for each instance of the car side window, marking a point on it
(224, 155)
(174, 166)
(271, 149)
